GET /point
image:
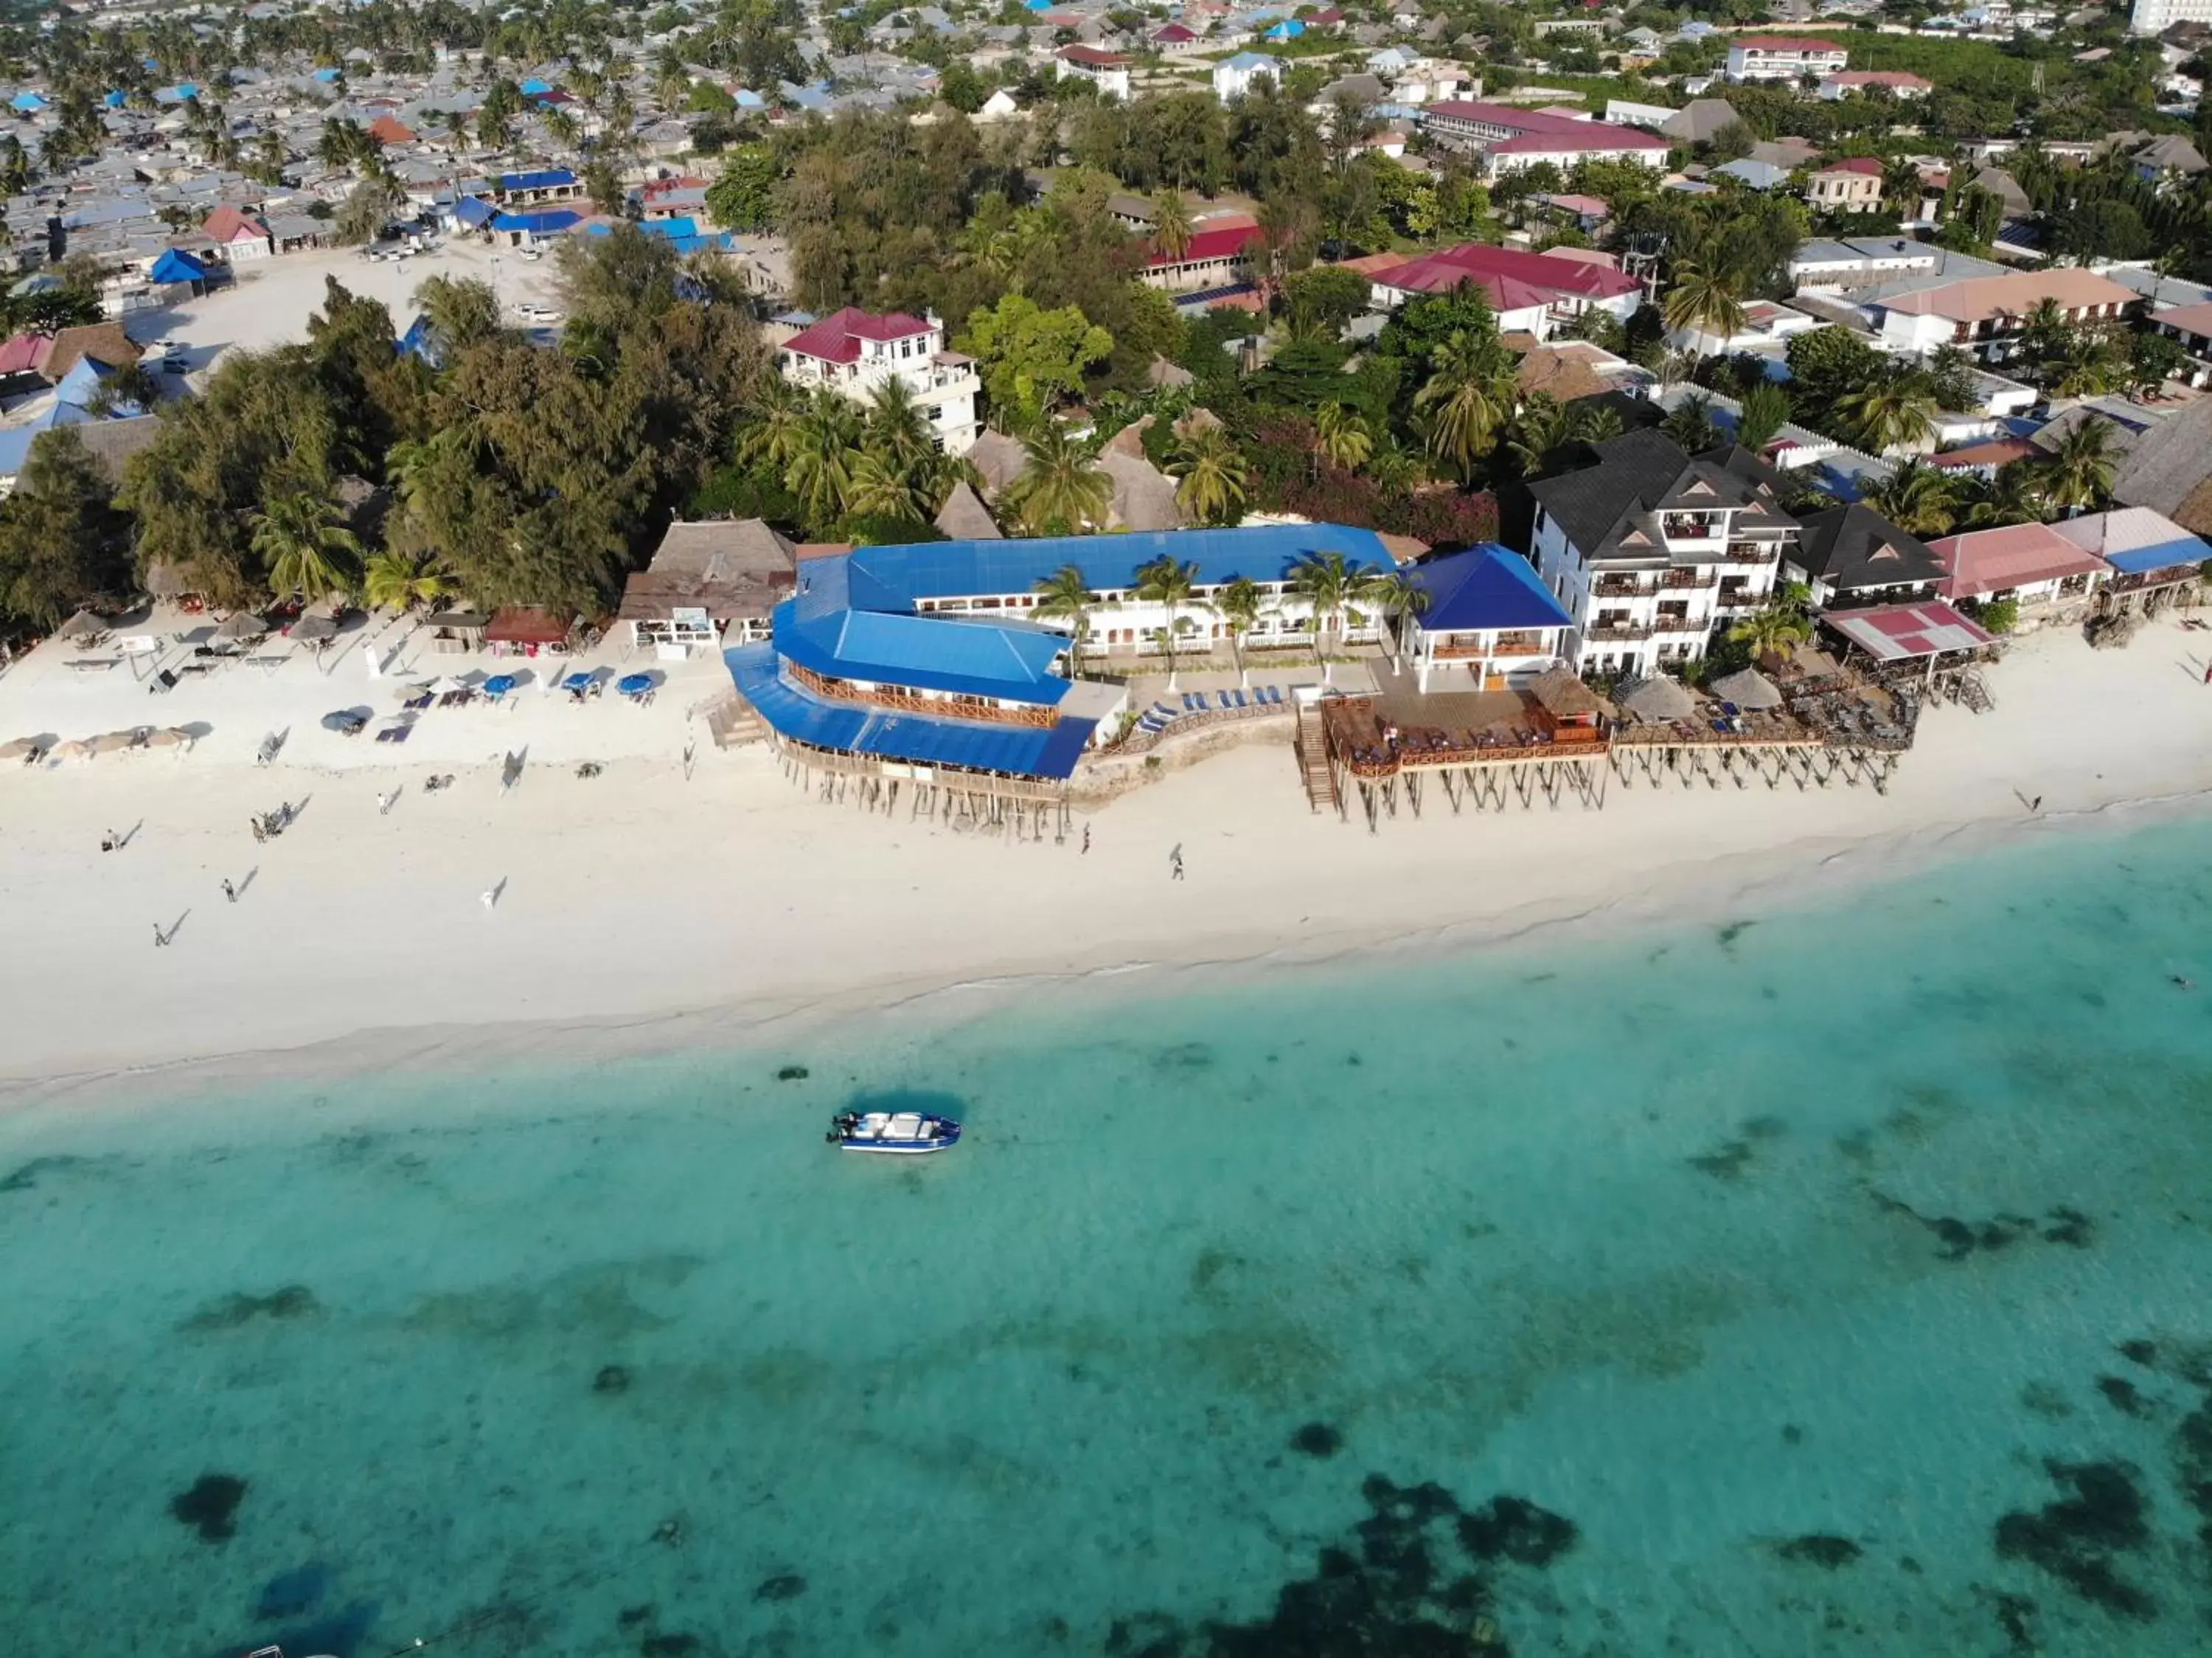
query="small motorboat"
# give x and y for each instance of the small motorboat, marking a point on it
(896, 1133)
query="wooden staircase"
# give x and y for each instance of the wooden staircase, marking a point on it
(1313, 762)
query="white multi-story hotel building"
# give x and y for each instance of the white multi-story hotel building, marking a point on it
(1650, 550)
(1784, 57)
(2156, 16)
(854, 352)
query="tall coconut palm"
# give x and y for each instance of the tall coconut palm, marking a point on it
(1330, 584)
(1171, 585)
(874, 485)
(1468, 397)
(1764, 412)
(1341, 437)
(2078, 472)
(1537, 431)
(1239, 604)
(1061, 490)
(1918, 498)
(1213, 474)
(1689, 424)
(1172, 225)
(1893, 412)
(897, 429)
(1064, 596)
(307, 552)
(1703, 301)
(770, 438)
(820, 469)
(394, 581)
(1397, 596)
(2015, 495)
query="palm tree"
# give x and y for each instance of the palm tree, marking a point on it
(772, 438)
(1894, 411)
(1703, 301)
(1771, 627)
(819, 471)
(874, 485)
(1212, 474)
(2013, 496)
(1397, 595)
(1330, 585)
(1466, 398)
(1689, 424)
(1341, 436)
(1918, 498)
(1239, 604)
(392, 580)
(2078, 472)
(1173, 587)
(1171, 226)
(897, 429)
(1537, 432)
(1063, 595)
(1060, 490)
(304, 547)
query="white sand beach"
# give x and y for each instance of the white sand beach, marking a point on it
(659, 887)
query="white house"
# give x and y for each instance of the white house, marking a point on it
(1651, 551)
(1784, 57)
(1509, 138)
(1107, 71)
(854, 352)
(1233, 77)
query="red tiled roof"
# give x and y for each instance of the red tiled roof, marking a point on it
(387, 130)
(1175, 32)
(25, 352)
(1865, 166)
(836, 337)
(1996, 453)
(1093, 57)
(227, 223)
(1532, 270)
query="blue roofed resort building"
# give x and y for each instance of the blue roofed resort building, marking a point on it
(934, 657)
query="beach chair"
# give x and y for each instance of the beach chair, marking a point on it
(1274, 694)
(1239, 695)
(417, 703)
(394, 734)
(1194, 702)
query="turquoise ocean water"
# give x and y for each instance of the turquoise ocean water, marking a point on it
(1837, 1282)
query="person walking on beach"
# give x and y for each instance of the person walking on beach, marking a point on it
(2208, 672)
(491, 896)
(1175, 863)
(1087, 839)
(107, 841)
(160, 938)
(229, 891)
(383, 803)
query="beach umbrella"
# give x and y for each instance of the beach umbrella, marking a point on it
(74, 750)
(634, 685)
(111, 742)
(170, 738)
(499, 685)
(579, 680)
(1657, 700)
(345, 719)
(20, 747)
(312, 629)
(81, 626)
(1748, 689)
(243, 626)
(445, 683)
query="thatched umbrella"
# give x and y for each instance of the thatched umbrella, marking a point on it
(1749, 689)
(74, 750)
(1657, 700)
(112, 742)
(243, 626)
(165, 581)
(312, 629)
(82, 625)
(20, 747)
(170, 737)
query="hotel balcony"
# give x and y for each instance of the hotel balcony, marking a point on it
(1606, 633)
(1750, 553)
(1508, 645)
(1687, 581)
(1624, 586)
(1692, 526)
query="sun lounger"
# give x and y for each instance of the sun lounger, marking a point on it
(94, 664)
(1232, 699)
(165, 681)
(421, 701)
(394, 734)
(1193, 701)
(1272, 693)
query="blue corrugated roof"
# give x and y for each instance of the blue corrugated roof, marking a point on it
(473, 212)
(975, 745)
(177, 265)
(2189, 550)
(893, 578)
(968, 657)
(1486, 586)
(549, 223)
(545, 179)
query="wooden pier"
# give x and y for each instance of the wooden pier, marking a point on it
(1020, 808)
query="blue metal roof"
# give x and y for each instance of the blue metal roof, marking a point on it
(176, 266)
(1486, 586)
(550, 223)
(969, 658)
(893, 578)
(2189, 550)
(973, 744)
(473, 212)
(545, 179)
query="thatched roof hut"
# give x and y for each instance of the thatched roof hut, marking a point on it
(964, 517)
(1657, 700)
(1749, 689)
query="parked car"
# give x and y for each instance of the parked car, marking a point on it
(544, 315)
(169, 353)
